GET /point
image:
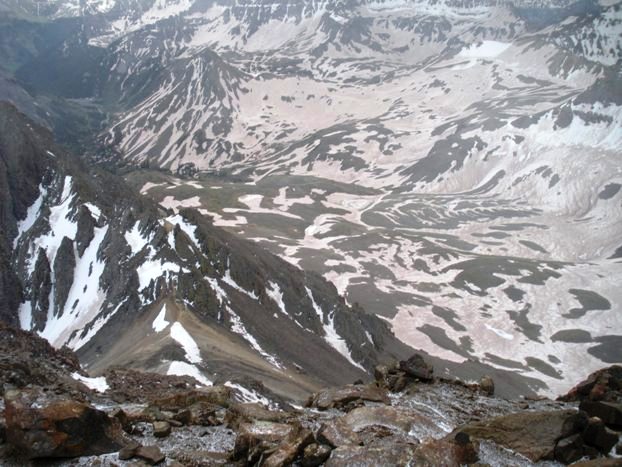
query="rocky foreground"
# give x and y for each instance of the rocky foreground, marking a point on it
(54, 414)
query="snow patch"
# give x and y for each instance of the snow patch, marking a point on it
(96, 384)
(183, 338)
(186, 369)
(160, 323)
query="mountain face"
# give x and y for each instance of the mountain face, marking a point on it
(108, 273)
(451, 166)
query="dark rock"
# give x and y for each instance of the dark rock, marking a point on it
(396, 420)
(417, 367)
(487, 385)
(315, 454)
(569, 449)
(42, 425)
(150, 454)
(596, 434)
(532, 434)
(86, 230)
(599, 463)
(41, 287)
(64, 265)
(338, 398)
(608, 412)
(161, 429)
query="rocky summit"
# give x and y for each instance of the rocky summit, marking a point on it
(174, 421)
(310, 232)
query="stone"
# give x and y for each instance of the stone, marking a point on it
(596, 434)
(532, 434)
(290, 448)
(569, 449)
(609, 412)
(376, 454)
(150, 454)
(161, 429)
(487, 385)
(396, 420)
(255, 438)
(315, 454)
(248, 412)
(39, 424)
(601, 462)
(337, 433)
(336, 398)
(604, 384)
(128, 452)
(449, 451)
(417, 367)
(215, 395)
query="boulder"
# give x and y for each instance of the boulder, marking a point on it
(128, 451)
(255, 438)
(380, 453)
(532, 434)
(417, 367)
(161, 429)
(597, 435)
(150, 454)
(604, 384)
(487, 385)
(249, 412)
(608, 412)
(451, 451)
(570, 449)
(39, 424)
(216, 395)
(396, 420)
(339, 398)
(290, 448)
(315, 454)
(337, 433)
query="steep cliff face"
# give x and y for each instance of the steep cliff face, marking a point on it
(100, 269)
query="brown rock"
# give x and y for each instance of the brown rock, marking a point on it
(255, 438)
(377, 454)
(215, 395)
(42, 425)
(447, 452)
(161, 429)
(150, 454)
(532, 434)
(248, 412)
(599, 463)
(596, 434)
(128, 452)
(569, 449)
(340, 397)
(417, 367)
(337, 433)
(290, 448)
(315, 454)
(397, 420)
(604, 384)
(487, 385)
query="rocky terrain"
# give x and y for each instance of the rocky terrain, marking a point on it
(53, 413)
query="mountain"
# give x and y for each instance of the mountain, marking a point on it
(450, 166)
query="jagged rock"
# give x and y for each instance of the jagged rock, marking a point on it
(255, 438)
(338, 398)
(596, 434)
(290, 448)
(42, 425)
(315, 454)
(85, 231)
(379, 453)
(161, 429)
(64, 265)
(532, 434)
(417, 367)
(604, 384)
(41, 287)
(487, 385)
(608, 412)
(216, 395)
(150, 454)
(337, 433)
(248, 412)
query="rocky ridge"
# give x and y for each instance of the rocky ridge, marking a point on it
(406, 415)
